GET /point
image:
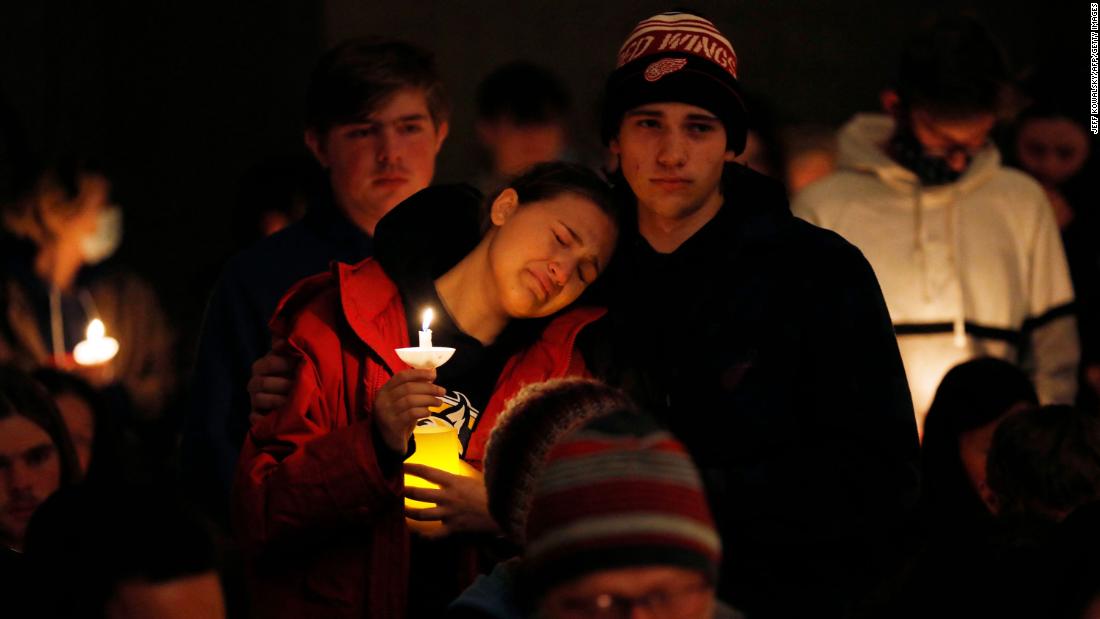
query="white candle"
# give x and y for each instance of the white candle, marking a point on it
(425, 332)
(97, 348)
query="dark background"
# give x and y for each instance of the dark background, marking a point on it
(179, 100)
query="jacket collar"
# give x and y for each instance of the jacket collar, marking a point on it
(366, 295)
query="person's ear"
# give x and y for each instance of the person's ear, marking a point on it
(890, 101)
(730, 156)
(614, 146)
(992, 502)
(441, 131)
(504, 206)
(315, 142)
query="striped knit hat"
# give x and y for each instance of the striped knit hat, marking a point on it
(615, 490)
(677, 57)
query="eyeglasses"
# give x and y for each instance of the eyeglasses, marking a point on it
(663, 603)
(947, 146)
(953, 149)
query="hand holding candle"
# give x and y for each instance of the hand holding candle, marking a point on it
(439, 485)
(97, 348)
(439, 502)
(404, 400)
(436, 441)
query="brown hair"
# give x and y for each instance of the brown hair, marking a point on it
(356, 77)
(1046, 460)
(550, 179)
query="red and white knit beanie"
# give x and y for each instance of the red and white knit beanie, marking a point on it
(682, 58)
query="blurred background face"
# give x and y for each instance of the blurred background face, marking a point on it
(1051, 149)
(755, 156)
(974, 453)
(515, 147)
(69, 221)
(807, 167)
(955, 140)
(30, 471)
(544, 254)
(375, 164)
(659, 592)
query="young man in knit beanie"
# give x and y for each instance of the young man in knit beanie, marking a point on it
(761, 341)
(608, 509)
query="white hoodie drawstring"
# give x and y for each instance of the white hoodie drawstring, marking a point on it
(918, 243)
(956, 264)
(921, 256)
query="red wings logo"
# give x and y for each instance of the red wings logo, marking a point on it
(663, 67)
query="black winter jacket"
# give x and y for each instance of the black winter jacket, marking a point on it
(765, 344)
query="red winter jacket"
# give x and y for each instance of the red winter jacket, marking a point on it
(322, 520)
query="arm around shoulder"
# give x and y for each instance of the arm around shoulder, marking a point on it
(303, 467)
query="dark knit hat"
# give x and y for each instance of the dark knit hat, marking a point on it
(677, 57)
(586, 482)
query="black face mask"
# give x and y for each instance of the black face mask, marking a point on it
(906, 149)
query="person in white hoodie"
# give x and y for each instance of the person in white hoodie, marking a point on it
(966, 250)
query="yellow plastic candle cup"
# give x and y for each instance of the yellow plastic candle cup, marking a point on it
(437, 446)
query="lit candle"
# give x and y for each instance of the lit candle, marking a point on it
(436, 446)
(97, 348)
(425, 356)
(425, 332)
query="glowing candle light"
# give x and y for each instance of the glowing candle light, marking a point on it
(436, 446)
(425, 332)
(437, 442)
(425, 356)
(96, 348)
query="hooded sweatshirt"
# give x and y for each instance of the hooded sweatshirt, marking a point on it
(970, 268)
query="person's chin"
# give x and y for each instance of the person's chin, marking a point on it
(390, 194)
(528, 303)
(672, 206)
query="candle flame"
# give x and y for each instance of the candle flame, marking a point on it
(428, 315)
(95, 330)
(98, 348)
